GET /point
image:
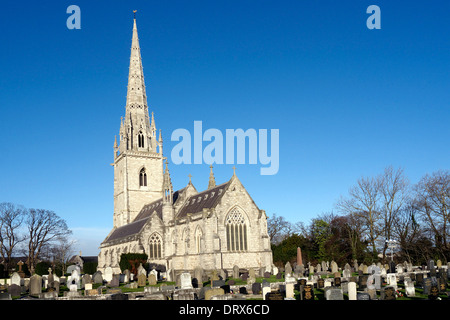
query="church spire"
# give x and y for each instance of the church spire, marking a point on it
(212, 180)
(136, 96)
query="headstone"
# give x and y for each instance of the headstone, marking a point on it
(186, 281)
(333, 293)
(362, 296)
(35, 285)
(108, 274)
(151, 279)
(308, 292)
(256, 288)
(419, 280)
(97, 277)
(289, 289)
(265, 292)
(320, 283)
(434, 292)
(387, 293)
(15, 279)
(14, 290)
(409, 288)
(287, 269)
(363, 282)
(426, 286)
(142, 280)
(352, 291)
(236, 272)
(273, 296)
(392, 280)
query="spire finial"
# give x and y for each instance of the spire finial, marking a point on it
(234, 170)
(134, 13)
(190, 176)
(212, 180)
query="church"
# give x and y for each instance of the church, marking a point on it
(179, 230)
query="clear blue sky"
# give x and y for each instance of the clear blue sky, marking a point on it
(348, 101)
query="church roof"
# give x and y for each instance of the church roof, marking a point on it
(194, 204)
(203, 200)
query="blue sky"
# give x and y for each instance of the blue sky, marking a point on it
(348, 101)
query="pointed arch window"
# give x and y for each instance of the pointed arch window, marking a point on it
(236, 228)
(142, 178)
(140, 140)
(155, 247)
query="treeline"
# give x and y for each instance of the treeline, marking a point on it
(381, 213)
(35, 234)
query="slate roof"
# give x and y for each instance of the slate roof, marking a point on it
(205, 199)
(196, 203)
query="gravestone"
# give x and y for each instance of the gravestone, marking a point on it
(387, 293)
(333, 293)
(265, 292)
(274, 296)
(35, 285)
(308, 292)
(352, 291)
(363, 282)
(363, 296)
(151, 279)
(97, 277)
(114, 281)
(14, 290)
(142, 280)
(419, 280)
(337, 282)
(287, 269)
(409, 288)
(256, 288)
(15, 279)
(186, 281)
(236, 272)
(108, 274)
(289, 290)
(426, 286)
(434, 292)
(320, 283)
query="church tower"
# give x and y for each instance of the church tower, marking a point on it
(138, 158)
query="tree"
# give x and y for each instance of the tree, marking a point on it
(278, 229)
(394, 189)
(433, 203)
(11, 217)
(363, 202)
(44, 227)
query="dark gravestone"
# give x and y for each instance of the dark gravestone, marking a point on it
(256, 288)
(226, 288)
(279, 275)
(426, 286)
(243, 290)
(362, 296)
(363, 282)
(302, 282)
(266, 274)
(217, 283)
(434, 292)
(244, 276)
(392, 267)
(337, 282)
(14, 290)
(308, 292)
(231, 282)
(274, 296)
(387, 293)
(442, 285)
(194, 282)
(320, 283)
(419, 280)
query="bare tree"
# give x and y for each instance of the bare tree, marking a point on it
(394, 189)
(62, 252)
(44, 227)
(278, 228)
(363, 203)
(433, 203)
(11, 217)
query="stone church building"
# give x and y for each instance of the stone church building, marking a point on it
(179, 230)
